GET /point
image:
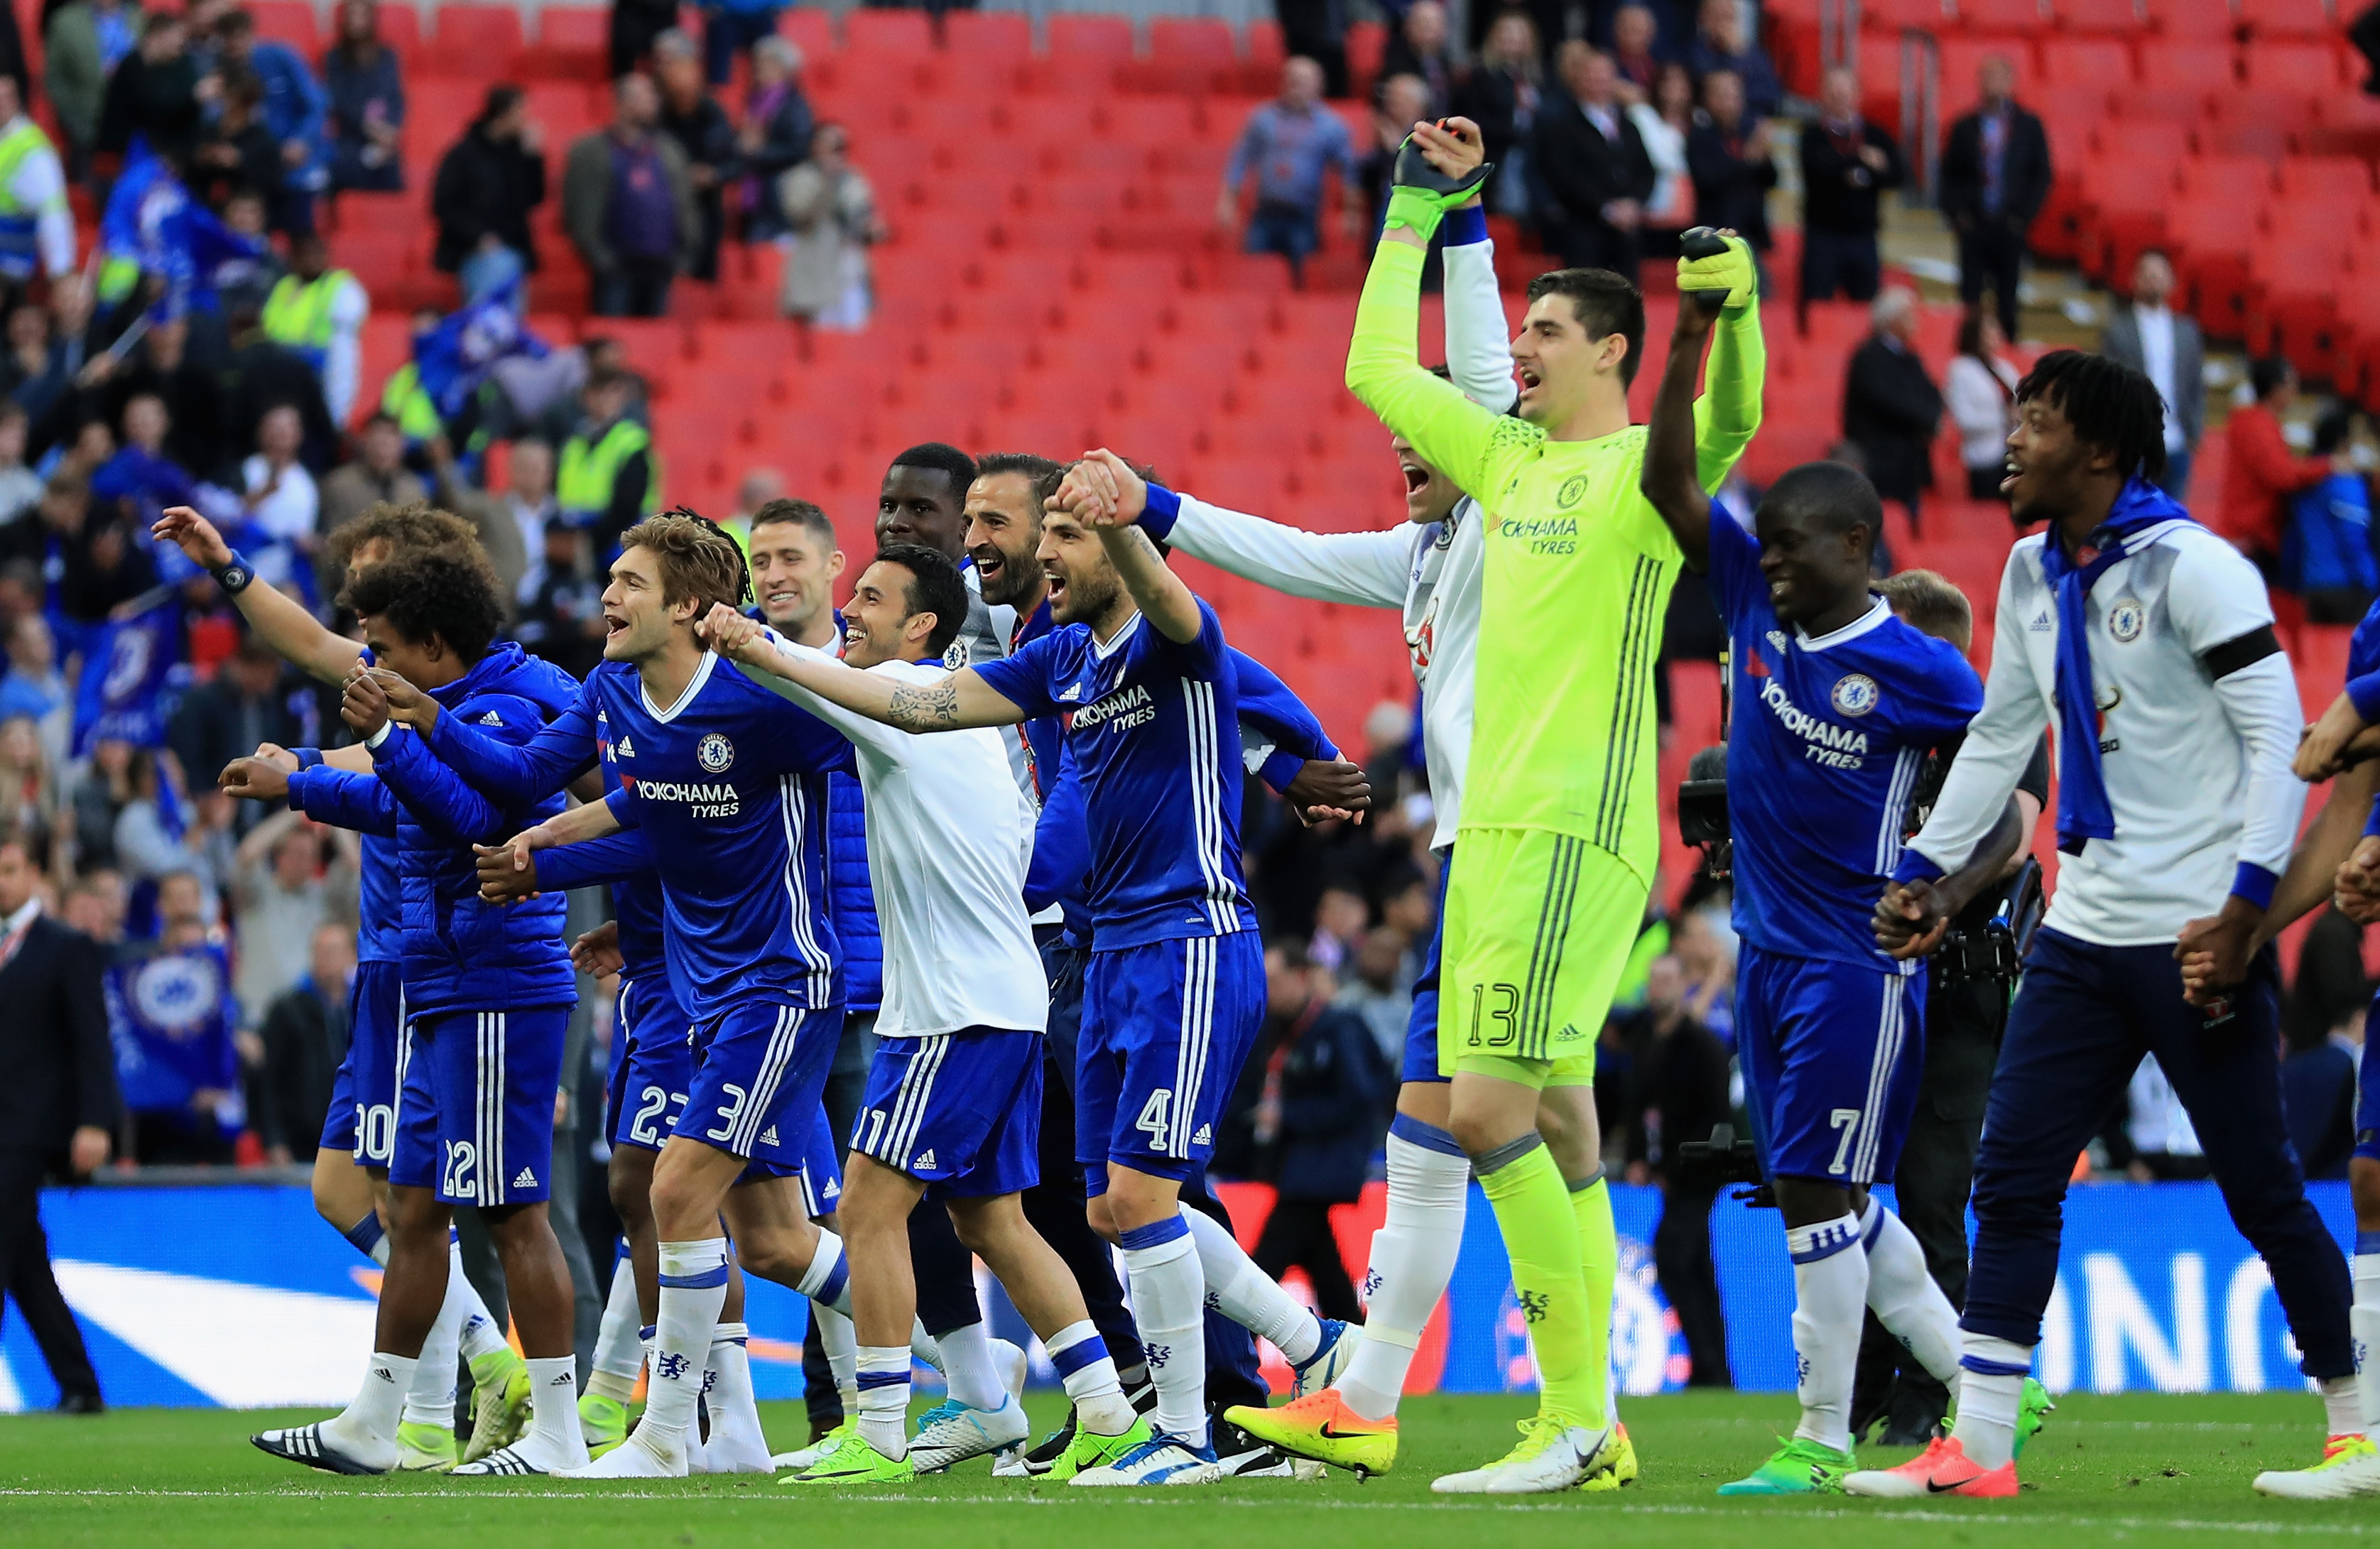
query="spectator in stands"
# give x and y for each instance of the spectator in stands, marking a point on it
(1890, 406)
(730, 25)
(106, 555)
(635, 25)
(305, 1036)
(1311, 1110)
(1979, 389)
(81, 45)
(1680, 1093)
(161, 366)
(283, 505)
(1592, 165)
(1418, 47)
(284, 879)
(238, 152)
(320, 312)
(20, 491)
(33, 691)
(155, 92)
(829, 206)
(759, 486)
(512, 524)
(561, 604)
(1291, 144)
(263, 374)
(1721, 44)
(1404, 101)
(376, 475)
(1728, 151)
(629, 208)
(24, 350)
(37, 231)
(692, 116)
(159, 831)
(1995, 176)
(774, 138)
(487, 185)
(244, 281)
(1500, 94)
(177, 1058)
(1341, 919)
(1634, 33)
(1664, 120)
(366, 88)
(2260, 472)
(1846, 163)
(1317, 30)
(295, 110)
(142, 478)
(1375, 988)
(2327, 554)
(2164, 346)
(253, 697)
(603, 482)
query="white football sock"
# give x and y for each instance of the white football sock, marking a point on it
(554, 1441)
(1829, 1303)
(2363, 1319)
(884, 1398)
(366, 1429)
(922, 1345)
(737, 1443)
(619, 1353)
(1413, 1259)
(1169, 1302)
(968, 1368)
(1247, 1295)
(828, 1279)
(1088, 1375)
(1989, 1396)
(693, 1287)
(431, 1399)
(1904, 1296)
(841, 1342)
(482, 1335)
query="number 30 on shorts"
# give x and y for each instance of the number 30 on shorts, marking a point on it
(1504, 1014)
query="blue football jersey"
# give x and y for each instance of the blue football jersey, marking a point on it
(1825, 744)
(2363, 646)
(729, 786)
(381, 937)
(1152, 728)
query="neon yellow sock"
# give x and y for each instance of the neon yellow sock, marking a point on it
(1541, 1238)
(1598, 1256)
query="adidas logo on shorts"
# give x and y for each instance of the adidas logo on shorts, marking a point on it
(925, 1162)
(525, 1180)
(492, 718)
(768, 1135)
(1205, 1136)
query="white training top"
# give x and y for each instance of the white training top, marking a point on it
(2197, 769)
(1432, 573)
(949, 838)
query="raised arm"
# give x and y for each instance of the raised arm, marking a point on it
(1478, 337)
(439, 797)
(774, 649)
(343, 798)
(1670, 481)
(960, 701)
(280, 622)
(1163, 598)
(516, 774)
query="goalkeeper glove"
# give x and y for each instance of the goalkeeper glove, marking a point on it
(1422, 195)
(1725, 267)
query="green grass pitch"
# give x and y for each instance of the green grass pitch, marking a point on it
(2157, 1470)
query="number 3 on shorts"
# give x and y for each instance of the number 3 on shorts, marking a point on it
(1846, 1120)
(1152, 1121)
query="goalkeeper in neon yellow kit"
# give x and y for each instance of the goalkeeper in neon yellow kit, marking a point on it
(1558, 833)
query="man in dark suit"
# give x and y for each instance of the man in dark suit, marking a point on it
(1994, 176)
(58, 1109)
(2165, 346)
(1592, 165)
(1890, 406)
(1846, 163)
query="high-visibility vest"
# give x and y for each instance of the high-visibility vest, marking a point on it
(20, 253)
(583, 479)
(297, 313)
(416, 413)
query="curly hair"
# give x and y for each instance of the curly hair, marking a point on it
(697, 558)
(433, 592)
(415, 524)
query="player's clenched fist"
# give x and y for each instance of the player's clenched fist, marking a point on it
(734, 636)
(2356, 890)
(1910, 920)
(262, 776)
(508, 871)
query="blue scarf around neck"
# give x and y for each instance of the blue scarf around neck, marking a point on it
(2083, 811)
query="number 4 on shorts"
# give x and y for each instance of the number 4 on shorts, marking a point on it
(1152, 1121)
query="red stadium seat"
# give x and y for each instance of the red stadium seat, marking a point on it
(2185, 105)
(2104, 63)
(1182, 43)
(2148, 146)
(811, 28)
(905, 34)
(400, 29)
(2020, 17)
(1366, 42)
(2101, 18)
(2291, 19)
(2242, 183)
(289, 21)
(1890, 16)
(2309, 69)
(1092, 37)
(573, 43)
(2339, 182)
(2195, 64)
(478, 42)
(988, 37)
(2200, 20)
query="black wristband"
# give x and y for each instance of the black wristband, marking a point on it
(234, 577)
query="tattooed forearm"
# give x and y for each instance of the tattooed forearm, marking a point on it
(933, 709)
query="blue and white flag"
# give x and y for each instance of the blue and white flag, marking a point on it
(129, 673)
(454, 359)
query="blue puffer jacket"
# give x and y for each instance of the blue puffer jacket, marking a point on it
(458, 952)
(850, 900)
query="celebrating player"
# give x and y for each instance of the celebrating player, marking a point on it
(1559, 829)
(2149, 641)
(350, 1176)
(1839, 702)
(1173, 993)
(953, 1097)
(487, 998)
